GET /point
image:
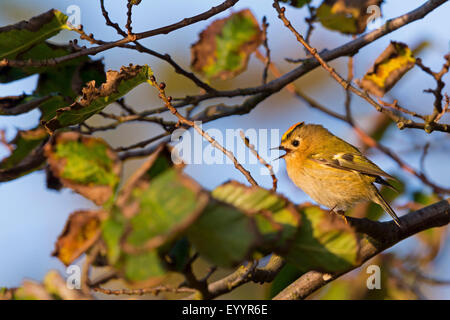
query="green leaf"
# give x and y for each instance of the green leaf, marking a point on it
(340, 290)
(179, 254)
(297, 3)
(324, 242)
(49, 107)
(285, 277)
(224, 235)
(15, 105)
(165, 208)
(113, 229)
(18, 37)
(68, 80)
(94, 100)
(140, 267)
(25, 142)
(26, 156)
(146, 267)
(152, 211)
(39, 51)
(242, 220)
(224, 48)
(277, 220)
(348, 17)
(424, 198)
(388, 69)
(84, 164)
(433, 238)
(55, 83)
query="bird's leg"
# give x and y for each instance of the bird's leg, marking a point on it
(339, 212)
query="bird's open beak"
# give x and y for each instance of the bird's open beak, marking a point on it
(283, 149)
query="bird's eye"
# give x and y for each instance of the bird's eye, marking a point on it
(295, 143)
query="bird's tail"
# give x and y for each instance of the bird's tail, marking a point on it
(386, 207)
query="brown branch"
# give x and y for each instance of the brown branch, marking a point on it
(248, 273)
(167, 101)
(348, 96)
(143, 143)
(265, 25)
(12, 106)
(178, 69)
(437, 92)
(394, 105)
(386, 235)
(103, 278)
(34, 160)
(109, 22)
(139, 292)
(269, 167)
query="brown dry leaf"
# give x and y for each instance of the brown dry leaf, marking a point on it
(94, 100)
(346, 16)
(388, 69)
(81, 231)
(224, 48)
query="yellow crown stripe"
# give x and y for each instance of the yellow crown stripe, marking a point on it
(290, 130)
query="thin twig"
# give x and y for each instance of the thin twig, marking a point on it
(269, 167)
(265, 25)
(139, 292)
(130, 38)
(167, 101)
(129, 17)
(348, 95)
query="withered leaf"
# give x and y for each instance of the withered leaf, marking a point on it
(346, 16)
(85, 164)
(94, 100)
(80, 232)
(388, 69)
(224, 48)
(53, 287)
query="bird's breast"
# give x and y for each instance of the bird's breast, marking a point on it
(333, 188)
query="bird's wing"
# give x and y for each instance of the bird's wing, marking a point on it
(351, 162)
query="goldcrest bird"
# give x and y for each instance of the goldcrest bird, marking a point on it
(331, 171)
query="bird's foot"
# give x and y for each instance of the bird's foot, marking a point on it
(342, 214)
